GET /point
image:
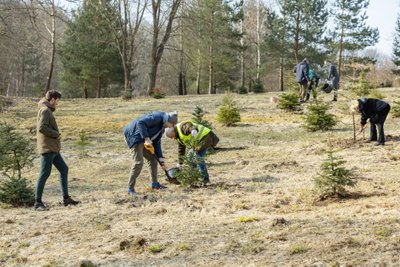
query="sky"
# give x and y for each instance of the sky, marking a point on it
(382, 14)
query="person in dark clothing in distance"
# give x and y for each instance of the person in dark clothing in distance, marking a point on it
(376, 111)
(314, 78)
(302, 71)
(332, 77)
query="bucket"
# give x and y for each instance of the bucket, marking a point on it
(327, 88)
(172, 172)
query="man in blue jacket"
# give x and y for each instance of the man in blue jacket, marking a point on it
(302, 77)
(147, 130)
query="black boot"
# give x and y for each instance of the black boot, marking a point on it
(69, 201)
(39, 206)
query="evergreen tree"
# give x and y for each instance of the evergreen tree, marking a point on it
(333, 177)
(90, 58)
(351, 32)
(396, 47)
(318, 118)
(213, 43)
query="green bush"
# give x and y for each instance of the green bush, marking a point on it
(228, 114)
(17, 192)
(242, 90)
(318, 118)
(289, 102)
(257, 87)
(333, 177)
(126, 95)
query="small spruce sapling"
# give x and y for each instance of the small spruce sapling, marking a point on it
(228, 114)
(16, 153)
(333, 177)
(82, 143)
(198, 117)
(190, 175)
(318, 118)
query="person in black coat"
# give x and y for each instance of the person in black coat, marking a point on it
(376, 111)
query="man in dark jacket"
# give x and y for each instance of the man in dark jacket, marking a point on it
(146, 131)
(302, 77)
(376, 111)
(189, 134)
(49, 146)
(332, 77)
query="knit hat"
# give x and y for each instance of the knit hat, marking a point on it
(173, 117)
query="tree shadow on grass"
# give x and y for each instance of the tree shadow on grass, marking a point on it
(348, 197)
(221, 149)
(260, 179)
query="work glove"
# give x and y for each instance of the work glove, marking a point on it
(179, 166)
(147, 141)
(194, 132)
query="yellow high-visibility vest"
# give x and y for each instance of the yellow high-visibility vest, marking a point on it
(187, 140)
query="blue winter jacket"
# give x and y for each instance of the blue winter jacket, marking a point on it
(150, 125)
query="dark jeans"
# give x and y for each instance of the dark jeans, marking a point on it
(46, 162)
(378, 122)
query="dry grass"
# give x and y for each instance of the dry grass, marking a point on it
(259, 209)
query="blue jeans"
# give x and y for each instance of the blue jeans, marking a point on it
(46, 162)
(202, 164)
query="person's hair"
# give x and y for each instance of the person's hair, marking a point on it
(328, 60)
(52, 94)
(354, 106)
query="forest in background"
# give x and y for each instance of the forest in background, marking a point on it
(109, 48)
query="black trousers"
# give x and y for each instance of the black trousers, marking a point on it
(377, 122)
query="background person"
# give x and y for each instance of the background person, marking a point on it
(314, 78)
(49, 146)
(376, 111)
(147, 130)
(302, 72)
(187, 131)
(332, 76)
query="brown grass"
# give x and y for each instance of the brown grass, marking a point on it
(259, 209)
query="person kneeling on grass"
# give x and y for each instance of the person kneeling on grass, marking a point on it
(188, 133)
(376, 111)
(146, 131)
(49, 146)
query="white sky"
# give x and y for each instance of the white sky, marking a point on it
(382, 14)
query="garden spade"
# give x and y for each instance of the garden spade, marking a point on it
(170, 179)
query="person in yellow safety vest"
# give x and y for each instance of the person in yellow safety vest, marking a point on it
(188, 133)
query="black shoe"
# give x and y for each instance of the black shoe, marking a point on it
(70, 201)
(334, 99)
(158, 186)
(371, 140)
(380, 144)
(39, 206)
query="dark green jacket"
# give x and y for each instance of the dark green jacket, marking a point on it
(48, 135)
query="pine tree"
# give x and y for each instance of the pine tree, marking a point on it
(396, 47)
(318, 118)
(351, 32)
(198, 114)
(16, 153)
(333, 177)
(90, 58)
(228, 114)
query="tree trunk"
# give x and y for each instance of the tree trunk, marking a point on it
(281, 84)
(258, 41)
(53, 45)
(85, 91)
(211, 59)
(158, 49)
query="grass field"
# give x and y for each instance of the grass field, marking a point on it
(258, 210)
